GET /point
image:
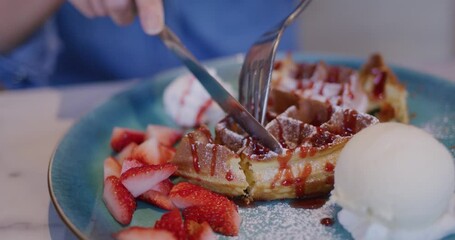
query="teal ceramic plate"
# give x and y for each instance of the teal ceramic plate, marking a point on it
(76, 169)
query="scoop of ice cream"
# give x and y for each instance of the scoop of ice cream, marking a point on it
(189, 104)
(395, 181)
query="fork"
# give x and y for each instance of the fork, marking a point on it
(254, 81)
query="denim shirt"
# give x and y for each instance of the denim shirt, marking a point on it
(70, 48)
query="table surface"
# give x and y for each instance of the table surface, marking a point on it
(31, 124)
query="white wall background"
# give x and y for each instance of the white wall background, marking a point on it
(407, 32)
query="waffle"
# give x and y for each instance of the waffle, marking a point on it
(313, 110)
(214, 166)
(312, 133)
(373, 89)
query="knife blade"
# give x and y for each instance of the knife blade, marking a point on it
(219, 94)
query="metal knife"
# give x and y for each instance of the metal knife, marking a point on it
(224, 99)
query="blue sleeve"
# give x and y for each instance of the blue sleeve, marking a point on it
(32, 63)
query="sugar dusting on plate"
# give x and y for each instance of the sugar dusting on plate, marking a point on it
(443, 128)
(278, 220)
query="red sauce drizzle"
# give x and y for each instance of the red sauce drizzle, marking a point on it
(321, 138)
(329, 167)
(301, 180)
(327, 222)
(308, 203)
(213, 160)
(257, 148)
(379, 83)
(207, 133)
(284, 172)
(304, 151)
(313, 151)
(193, 146)
(202, 110)
(186, 92)
(349, 122)
(277, 65)
(229, 176)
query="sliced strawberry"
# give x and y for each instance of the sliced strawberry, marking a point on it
(157, 199)
(130, 163)
(121, 137)
(221, 216)
(199, 231)
(172, 221)
(119, 201)
(141, 179)
(165, 135)
(148, 152)
(126, 152)
(164, 187)
(144, 233)
(111, 168)
(185, 194)
(153, 153)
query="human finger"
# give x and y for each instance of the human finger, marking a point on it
(121, 11)
(151, 15)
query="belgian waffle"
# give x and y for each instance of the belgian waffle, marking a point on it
(313, 110)
(312, 133)
(374, 89)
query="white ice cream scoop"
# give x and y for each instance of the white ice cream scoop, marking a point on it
(396, 181)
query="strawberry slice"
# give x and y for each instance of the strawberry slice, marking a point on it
(141, 179)
(164, 187)
(199, 231)
(165, 135)
(185, 195)
(111, 168)
(157, 199)
(119, 201)
(173, 222)
(130, 163)
(222, 216)
(121, 137)
(126, 152)
(144, 233)
(153, 153)
(158, 195)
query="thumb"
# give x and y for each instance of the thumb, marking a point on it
(151, 15)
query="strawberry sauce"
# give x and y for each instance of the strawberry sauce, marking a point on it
(193, 147)
(329, 167)
(229, 176)
(203, 109)
(301, 180)
(308, 203)
(327, 221)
